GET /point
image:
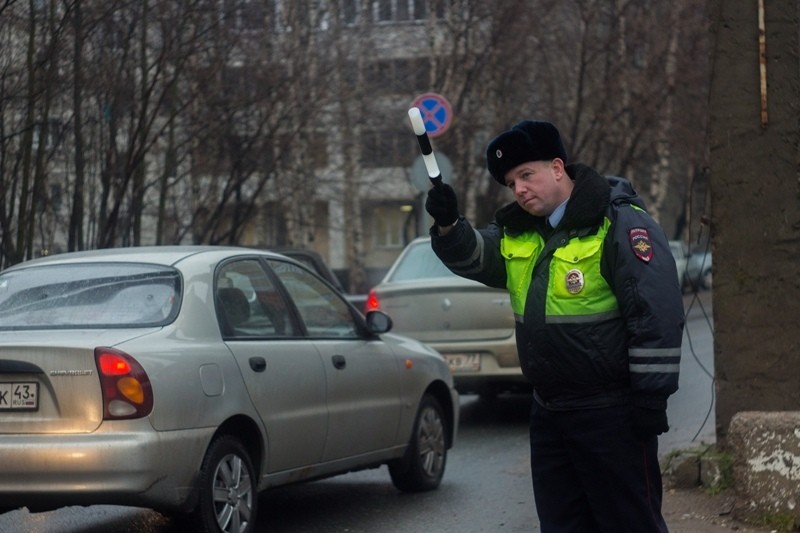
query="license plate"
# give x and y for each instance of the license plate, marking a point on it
(463, 362)
(19, 395)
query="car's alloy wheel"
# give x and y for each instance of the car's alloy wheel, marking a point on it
(423, 465)
(228, 489)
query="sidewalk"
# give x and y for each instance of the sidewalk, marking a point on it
(696, 511)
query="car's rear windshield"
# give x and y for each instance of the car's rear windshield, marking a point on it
(419, 262)
(89, 295)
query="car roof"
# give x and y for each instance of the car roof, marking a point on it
(161, 255)
(452, 280)
(314, 260)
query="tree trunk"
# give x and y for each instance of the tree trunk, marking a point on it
(659, 181)
(75, 239)
(170, 170)
(23, 252)
(137, 200)
(755, 197)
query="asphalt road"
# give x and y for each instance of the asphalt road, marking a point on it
(486, 485)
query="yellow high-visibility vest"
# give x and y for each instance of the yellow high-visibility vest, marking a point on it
(576, 290)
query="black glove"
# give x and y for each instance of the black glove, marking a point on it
(649, 422)
(442, 205)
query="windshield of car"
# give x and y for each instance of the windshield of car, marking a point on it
(96, 295)
(419, 262)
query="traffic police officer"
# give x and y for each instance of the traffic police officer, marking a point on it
(599, 324)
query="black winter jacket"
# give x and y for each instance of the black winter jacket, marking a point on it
(634, 357)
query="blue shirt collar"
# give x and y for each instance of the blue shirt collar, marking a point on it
(555, 217)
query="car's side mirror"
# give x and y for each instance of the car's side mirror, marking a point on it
(378, 322)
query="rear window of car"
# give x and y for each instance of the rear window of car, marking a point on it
(89, 295)
(419, 262)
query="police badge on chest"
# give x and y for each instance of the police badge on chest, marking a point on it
(574, 281)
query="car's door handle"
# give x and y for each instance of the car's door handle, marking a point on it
(339, 361)
(258, 364)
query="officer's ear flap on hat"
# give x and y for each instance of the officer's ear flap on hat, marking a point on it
(530, 140)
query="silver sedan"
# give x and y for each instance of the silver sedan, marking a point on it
(471, 324)
(187, 379)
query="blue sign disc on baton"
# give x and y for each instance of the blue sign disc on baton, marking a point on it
(436, 112)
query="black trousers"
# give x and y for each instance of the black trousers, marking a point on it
(592, 474)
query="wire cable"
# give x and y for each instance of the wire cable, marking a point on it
(695, 286)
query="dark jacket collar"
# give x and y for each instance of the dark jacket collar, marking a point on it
(587, 204)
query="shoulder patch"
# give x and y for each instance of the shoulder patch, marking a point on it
(640, 244)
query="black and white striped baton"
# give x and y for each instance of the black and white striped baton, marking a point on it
(425, 146)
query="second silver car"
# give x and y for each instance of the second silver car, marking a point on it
(471, 324)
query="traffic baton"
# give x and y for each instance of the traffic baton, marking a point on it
(425, 146)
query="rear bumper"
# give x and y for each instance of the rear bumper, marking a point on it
(123, 463)
(499, 367)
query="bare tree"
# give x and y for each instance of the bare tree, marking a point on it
(473, 67)
(26, 133)
(234, 124)
(604, 73)
(347, 64)
(76, 231)
(12, 88)
(188, 119)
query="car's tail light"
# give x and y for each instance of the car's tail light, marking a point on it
(127, 392)
(372, 303)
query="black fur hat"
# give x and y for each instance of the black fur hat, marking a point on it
(530, 140)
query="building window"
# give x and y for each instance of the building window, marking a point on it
(350, 11)
(290, 15)
(384, 8)
(318, 150)
(239, 83)
(404, 10)
(413, 72)
(387, 76)
(313, 144)
(245, 15)
(55, 130)
(389, 223)
(420, 9)
(274, 231)
(387, 148)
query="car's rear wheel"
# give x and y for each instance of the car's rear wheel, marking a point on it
(228, 497)
(422, 466)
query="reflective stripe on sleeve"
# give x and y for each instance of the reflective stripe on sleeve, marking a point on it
(657, 368)
(655, 360)
(654, 352)
(474, 263)
(582, 319)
